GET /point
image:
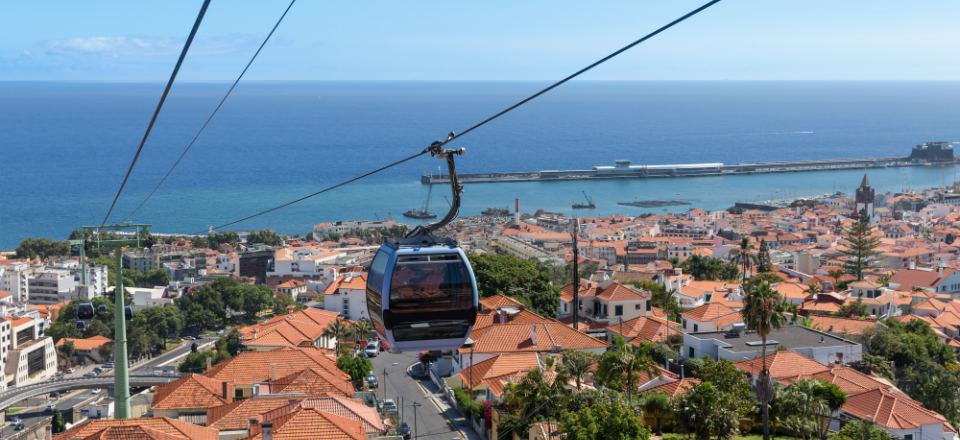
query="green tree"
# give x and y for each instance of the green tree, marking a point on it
(622, 366)
(860, 247)
(861, 430)
(763, 310)
(874, 364)
(806, 407)
(935, 386)
(362, 329)
(216, 239)
(607, 420)
(854, 308)
(709, 268)
(526, 280)
(534, 398)
(42, 248)
(165, 322)
(764, 264)
(59, 424)
(659, 406)
(67, 351)
(338, 330)
(576, 364)
(661, 298)
(727, 378)
(705, 412)
(265, 236)
(232, 343)
(195, 362)
(357, 367)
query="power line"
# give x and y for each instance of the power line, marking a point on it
(453, 136)
(212, 114)
(156, 112)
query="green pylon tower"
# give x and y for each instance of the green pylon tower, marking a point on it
(117, 237)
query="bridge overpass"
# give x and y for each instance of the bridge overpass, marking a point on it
(14, 395)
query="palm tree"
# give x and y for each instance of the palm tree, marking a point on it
(658, 405)
(576, 364)
(743, 257)
(763, 310)
(361, 329)
(623, 364)
(338, 330)
(836, 274)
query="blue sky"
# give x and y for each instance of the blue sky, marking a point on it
(113, 40)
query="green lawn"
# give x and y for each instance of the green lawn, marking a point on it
(13, 410)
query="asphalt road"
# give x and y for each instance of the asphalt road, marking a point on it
(407, 391)
(69, 400)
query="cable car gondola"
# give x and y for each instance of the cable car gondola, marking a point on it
(85, 311)
(128, 312)
(102, 309)
(421, 290)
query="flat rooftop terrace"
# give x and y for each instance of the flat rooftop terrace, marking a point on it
(791, 336)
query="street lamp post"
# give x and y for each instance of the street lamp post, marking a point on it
(470, 343)
(416, 432)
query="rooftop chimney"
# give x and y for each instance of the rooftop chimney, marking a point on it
(225, 392)
(209, 362)
(533, 334)
(252, 423)
(267, 430)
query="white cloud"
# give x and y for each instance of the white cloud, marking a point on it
(127, 46)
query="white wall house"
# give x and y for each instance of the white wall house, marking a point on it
(50, 286)
(347, 295)
(14, 278)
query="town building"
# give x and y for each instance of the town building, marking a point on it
(739, 344)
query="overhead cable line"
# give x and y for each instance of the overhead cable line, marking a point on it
(436, 146)
(156, 112)
(212, 114)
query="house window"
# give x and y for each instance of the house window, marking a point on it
(696, 328)
(908, 437)
(649, 305)
(564, 307)
(690, 353)
(618, 310)
(636, 307)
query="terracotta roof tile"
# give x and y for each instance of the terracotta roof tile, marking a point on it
(313, 382)
(783, 364)
(176, 429)
(314, 423)
(645, 328)
(891, 410)
(249, 367)
(237, 414)
(506, 338)
(620, 292)
(86, 344)
(848, 326)
(847, 379)
(347, 408)
(506, 364)
(498, 301)
(713, 312)
(675, 388)
(193, 391)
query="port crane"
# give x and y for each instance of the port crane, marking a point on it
(588, 205)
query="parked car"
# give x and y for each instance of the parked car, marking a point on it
(71, 370)
(372, 350)
(108, 365)
(390, 407)
(51, 407)
(404, 431)
(372, 381)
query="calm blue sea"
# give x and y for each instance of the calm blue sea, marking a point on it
(64, 146)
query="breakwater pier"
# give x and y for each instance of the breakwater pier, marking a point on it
(928, 154)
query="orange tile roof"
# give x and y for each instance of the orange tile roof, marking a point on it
(312, 382)
(293, 329)
(86, 344)
(713, 312)
(620, 292)
(908, 279)
(173, 429)
(506, 364)
(675, 388)
(506, 338)
(485, 319)
(498, 301)
(238, 414)
(891, 410)
(783, 364)
(347, 408)
(249, 367)
(313, 423)
(193, 391)
(850, 381)
(4, 293)
(350, 281)
(791, 290)
(587, 288)
(645, 328)
(842, 325)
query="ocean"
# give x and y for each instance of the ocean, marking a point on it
(64, 146)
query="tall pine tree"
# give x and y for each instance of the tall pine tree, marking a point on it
(861, 246)
(763, 258)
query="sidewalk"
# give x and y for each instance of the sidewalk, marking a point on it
(454, 417)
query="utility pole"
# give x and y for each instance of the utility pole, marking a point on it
(384, 383)
(416, 432)
(576, 274)
(121, 378)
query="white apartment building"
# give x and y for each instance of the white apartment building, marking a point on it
(347, 295)
(50, 286)
(28, 356)
(14, 278)
(342, 227)
(96, 277)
